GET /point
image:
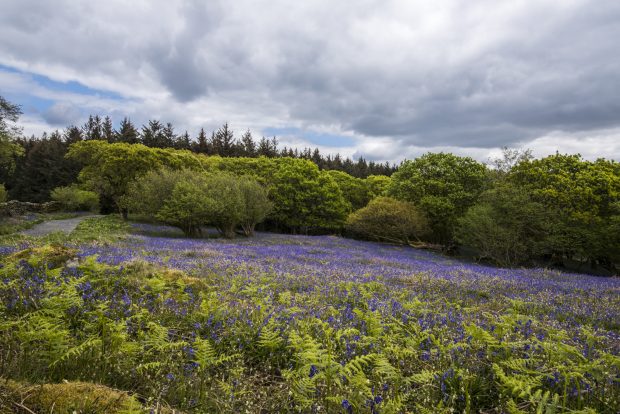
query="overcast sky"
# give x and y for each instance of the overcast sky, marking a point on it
(383, 79)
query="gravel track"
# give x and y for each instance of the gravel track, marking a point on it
(47, 227)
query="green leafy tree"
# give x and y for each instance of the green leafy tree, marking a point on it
(147, 194)
(507, 226)
(583, 195)
(443, 185)
(227, 206)
(257, 205)
(109, 168)
(377, 185)
(391, 220)
(354, 190)
(9, 150)
(189, 207)
(305, 198)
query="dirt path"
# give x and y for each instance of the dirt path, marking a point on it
(47, 227)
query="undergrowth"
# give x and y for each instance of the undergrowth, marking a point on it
(241, 341)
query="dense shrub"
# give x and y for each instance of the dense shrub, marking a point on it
(148, 193)
(109, 168)
(73, 198)
(191, 199)
(584, 197)
(226, 203)
(506, 226)
(189, 205)
(3, 195)
(387, 219)
(303, 197)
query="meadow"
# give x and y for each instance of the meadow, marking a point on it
(136, 318)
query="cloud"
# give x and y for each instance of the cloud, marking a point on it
(61, 114)
(396, 76)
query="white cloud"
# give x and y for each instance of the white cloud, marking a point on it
(402, 77)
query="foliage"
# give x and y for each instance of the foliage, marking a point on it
(387, 219)
(9, 150)
(506, 226)
(188, 206)
(109, 168)
(377, 185)
(257, 205)
(318, 324)
(354, 190)
(72, 198)
(305, 198)
(3, 195)
(443, 185)
(148, 193)
(584, 197)
(226, 206)
(43, 168)
(190, 199)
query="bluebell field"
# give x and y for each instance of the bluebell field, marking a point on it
(282, 323)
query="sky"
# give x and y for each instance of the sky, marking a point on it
(386, 79)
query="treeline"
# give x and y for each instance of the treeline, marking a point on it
(43, 166)
(305, 199)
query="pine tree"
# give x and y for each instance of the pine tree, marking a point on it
(107, 129)
(127, 132)
(152, 134)
(202, 146)
(223, 141)
(93, 129)
(183, 142)
(248, 144)
(72, 134)
(167, 137)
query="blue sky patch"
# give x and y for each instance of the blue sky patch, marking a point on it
(314, 137)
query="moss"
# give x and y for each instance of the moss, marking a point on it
(68, 397)
(142, 273)
(54, 255)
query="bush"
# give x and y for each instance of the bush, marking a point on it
(73, 198)
(227, 206)
(190, 199)
(506, 226)
(147, 194)
(354, 190)
(189, 206)
(387, 219)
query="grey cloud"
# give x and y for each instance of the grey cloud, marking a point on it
(61, 114)
(474, 74)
